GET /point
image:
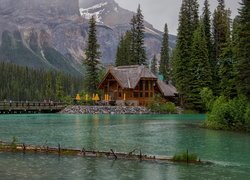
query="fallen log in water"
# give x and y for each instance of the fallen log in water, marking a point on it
(11, 147)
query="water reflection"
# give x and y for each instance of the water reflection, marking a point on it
(156, 135)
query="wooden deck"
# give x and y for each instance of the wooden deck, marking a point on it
(28, 107)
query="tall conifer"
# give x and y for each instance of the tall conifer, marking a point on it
(243, 66)
(92, 58)
(221, 31)
(206, 16)
(164, 61)
(200, 70)
(188, 22)
(138, 53)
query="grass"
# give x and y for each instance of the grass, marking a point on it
(185, 157)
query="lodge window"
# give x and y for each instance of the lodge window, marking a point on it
(141, 85)
(120, 94)
(146, 94)
(136, 94)
(146, 85)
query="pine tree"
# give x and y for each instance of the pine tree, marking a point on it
(92, 58)
(154, 65)
(139, 48)
(206, 16)
(227, 71)
(133, 58)
(221, 31)
(200, 69)
(118, 60)
(48, 88)
(243, 65)
(164, 60)
(124, 55)
(59, 87)
(138, 53)
(188, 22)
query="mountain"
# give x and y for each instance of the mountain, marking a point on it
(109, 13)
(52, 34)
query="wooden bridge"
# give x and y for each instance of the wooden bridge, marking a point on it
(28, 107)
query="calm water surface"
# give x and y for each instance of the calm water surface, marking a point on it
(153, 134)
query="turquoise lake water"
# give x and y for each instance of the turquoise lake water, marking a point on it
(152, 134)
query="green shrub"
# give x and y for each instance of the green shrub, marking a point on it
(207, 98)
(247, 116)
(228, 114)
(185, 156)
(159, 105)
(14, 143)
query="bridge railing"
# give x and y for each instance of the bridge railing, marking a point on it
(31, 105)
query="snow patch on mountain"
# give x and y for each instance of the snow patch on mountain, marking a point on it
(95, 11)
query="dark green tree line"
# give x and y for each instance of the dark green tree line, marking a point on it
(22, 83)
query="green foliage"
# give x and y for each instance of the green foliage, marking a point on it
(131, 50)
(207, 98)
(243, 50)
(188, 22)
(185, 156)
(159, 105)
(124, 55)
(59, 87)
(200, 70)
(229, 114)
(220, 33)
(33, 85)
(164, 68)
(247, 116)
(206, 21)
(14, 143)
(92, 58)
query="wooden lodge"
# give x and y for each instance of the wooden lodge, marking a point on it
(135, 85)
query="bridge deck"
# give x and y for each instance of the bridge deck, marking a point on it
(16, 107)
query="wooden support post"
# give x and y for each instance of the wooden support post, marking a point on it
(83, 152)
(113, 153)
(59, 149)
(24, 148)
(187, 156)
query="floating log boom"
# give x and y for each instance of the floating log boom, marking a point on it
(9, 147)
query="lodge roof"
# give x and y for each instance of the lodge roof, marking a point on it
(167, 89)
(129, 76)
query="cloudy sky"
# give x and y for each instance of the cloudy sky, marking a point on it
(159, 12)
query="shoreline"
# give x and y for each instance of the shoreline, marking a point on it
(78, 109)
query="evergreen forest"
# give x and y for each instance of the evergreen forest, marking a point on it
(211, 63)
(22, 83)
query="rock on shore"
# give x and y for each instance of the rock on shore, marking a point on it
(105, 110)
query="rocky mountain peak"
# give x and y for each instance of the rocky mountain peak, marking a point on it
(40, 7)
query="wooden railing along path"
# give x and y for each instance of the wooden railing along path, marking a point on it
(19, 107)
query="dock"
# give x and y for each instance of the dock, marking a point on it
(29, 107)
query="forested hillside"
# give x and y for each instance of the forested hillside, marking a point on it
(22, 83)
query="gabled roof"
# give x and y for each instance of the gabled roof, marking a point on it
(167, 90)
(129, 76)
